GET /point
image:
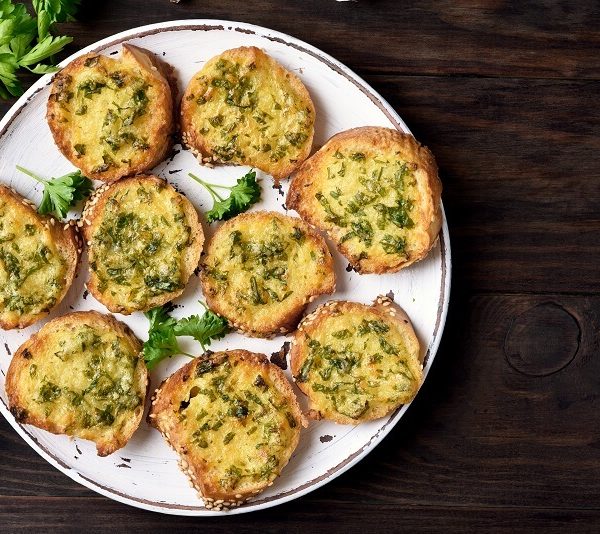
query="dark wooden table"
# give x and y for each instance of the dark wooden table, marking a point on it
(505, 434)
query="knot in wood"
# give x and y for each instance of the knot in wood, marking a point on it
(542, 340)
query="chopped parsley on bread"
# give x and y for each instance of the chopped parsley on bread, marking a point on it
(243, 107)
(376, 193)
(234, 421)
(262, 268)
(112, 117)
(355, 362)
(144, 242)
(38, 260)
(80, 375)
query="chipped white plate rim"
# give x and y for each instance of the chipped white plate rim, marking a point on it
(296, 479)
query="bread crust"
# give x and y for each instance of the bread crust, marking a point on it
(311, 176)
(158, 124)
(68, 243)
(34, 351)
(285, 83)
(281, 318)
(383, 309)
(93, 216)
(177, 391)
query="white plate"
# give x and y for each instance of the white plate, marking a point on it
(145, 472)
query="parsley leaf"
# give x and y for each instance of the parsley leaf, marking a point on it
(243, 194)
(163, 332)
(26, 41)
(58, 10)
(203, 329)
(60, 194)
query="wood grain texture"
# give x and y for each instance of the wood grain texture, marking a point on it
(504, 435)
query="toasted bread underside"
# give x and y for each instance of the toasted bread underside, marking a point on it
(38, 260)
(262, 268)
(144, 242)
(243, 107)
(112, 117)
(234, 421)
(80, 375)
(376, 193)
(355, 362)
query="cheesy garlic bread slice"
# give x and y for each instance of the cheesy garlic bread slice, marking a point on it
(38, 260)
(356, 362)
(80, 375)
(262, 268)
(144, 242)
(112, 117)
(243, 107)
(234, 421)
(376, 193)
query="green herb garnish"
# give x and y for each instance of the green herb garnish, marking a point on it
(26, 41)
(60, 194)
(163, 332)
(243, 194)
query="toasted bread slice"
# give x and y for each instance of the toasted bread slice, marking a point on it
(112, 117)
(355, 362)
(144, 242)
(262, 268)
(234, 421)
(38, 260)
(244, 107)
(81, 375)
(376, 193)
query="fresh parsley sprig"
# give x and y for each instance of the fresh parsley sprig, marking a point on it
(27, 42)
(61, 194)
(243, 194)
(163, 332)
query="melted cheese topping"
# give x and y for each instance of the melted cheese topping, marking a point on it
(82, 380)
(138, 249)
(357, 363)
(238, 423)
(368, 198)
(32, 271)
(259, 267)
(246, 114)
(108, 107)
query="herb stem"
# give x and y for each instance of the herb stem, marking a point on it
(210, 187)
(30, 173)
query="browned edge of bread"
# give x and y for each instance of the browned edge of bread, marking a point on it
(427, 178)
(382, 306)
(92, 217)
(162, 72)
(69, 244)
(215, 498)
(197, 143)
(20, 360)
(287, 322)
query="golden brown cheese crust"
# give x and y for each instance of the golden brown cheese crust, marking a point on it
(38, 260)
(355, 362)
(82, 375)
(112, 117)
(376, 193)
(243, 107)
(144, 241)
(262, 268)
(234, 421)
